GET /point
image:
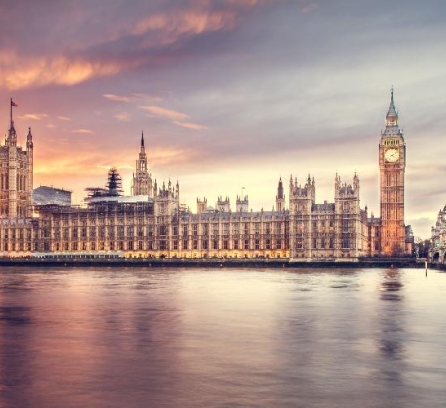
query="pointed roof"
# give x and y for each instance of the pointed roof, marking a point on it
(392, 110)
(142, 139)
(392, 127)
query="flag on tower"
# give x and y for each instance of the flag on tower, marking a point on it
(13, 103)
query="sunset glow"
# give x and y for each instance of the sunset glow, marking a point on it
(229, 94)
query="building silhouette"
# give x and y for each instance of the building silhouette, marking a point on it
(153, 224)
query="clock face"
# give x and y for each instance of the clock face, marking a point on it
(391, 155)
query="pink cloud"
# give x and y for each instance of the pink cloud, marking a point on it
(83, 131)
(163, 112)
(34, 116)
(189, 125)
(123, 116)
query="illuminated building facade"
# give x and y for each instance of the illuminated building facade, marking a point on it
(152, 224)
(18, 230)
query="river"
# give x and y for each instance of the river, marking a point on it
(140, 337)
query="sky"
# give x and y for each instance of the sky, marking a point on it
(231, 94)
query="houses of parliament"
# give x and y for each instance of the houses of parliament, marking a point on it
(151, 223)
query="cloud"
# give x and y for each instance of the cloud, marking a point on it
(34, 116)
(178, 118)
(64, 118)
(123, 116)
(17, 72)
(159, 38)
(187, 22)
(189, 125)
(120, 98)
(82, 131)
(166, 113)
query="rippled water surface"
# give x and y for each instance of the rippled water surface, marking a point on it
(222, 338)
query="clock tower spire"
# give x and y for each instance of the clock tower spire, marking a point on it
(392, 164)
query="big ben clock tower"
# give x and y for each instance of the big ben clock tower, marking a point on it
(392, 164)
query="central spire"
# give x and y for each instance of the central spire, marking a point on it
(392, 114)
(142, 138)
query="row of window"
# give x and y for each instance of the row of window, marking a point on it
(164, 245)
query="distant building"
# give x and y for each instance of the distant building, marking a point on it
(437, 253)
(45, 195)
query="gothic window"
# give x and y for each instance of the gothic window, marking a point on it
(226, 228)
(299, 243)
(268, 228)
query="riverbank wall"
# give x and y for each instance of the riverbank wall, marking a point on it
(214, 263)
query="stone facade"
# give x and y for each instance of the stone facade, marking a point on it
(18, 231)
(152, 224)
(328, 231)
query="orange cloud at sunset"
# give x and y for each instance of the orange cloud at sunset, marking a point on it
(177, 24)
(34, 116)
(22, 72)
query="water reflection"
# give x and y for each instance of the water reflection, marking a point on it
(391, 285)
(392, 337)
(221, 338)
(16, 338)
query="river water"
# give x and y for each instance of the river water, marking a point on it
(137, 337)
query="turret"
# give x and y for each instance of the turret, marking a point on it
(280, 197)
(29, 178)
(392, 114)
(242, 204)
(142, 180)
(202, 205)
